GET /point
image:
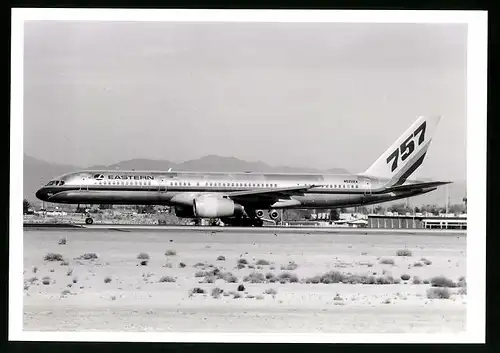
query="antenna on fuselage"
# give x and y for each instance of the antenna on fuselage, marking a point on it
(169, 169)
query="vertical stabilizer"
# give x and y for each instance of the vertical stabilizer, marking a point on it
(406, 154)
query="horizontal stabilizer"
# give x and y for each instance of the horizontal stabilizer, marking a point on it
(417, 186)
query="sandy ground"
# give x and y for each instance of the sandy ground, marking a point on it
(135, 300)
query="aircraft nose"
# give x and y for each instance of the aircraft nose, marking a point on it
(41, 194)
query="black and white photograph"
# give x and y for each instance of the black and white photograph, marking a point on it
(248, 176)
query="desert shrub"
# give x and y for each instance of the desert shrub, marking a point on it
(290, 266)
(387, 261)
(65, 292)
(405, 277)
(199, 264)
(65, 263)
(270, 291)
(170, 252)
(259, 297)
(35, 269)
(46, 280)
(263, 262)
(208, 279)
(462, 291)
(196, 290)
(113, 297)
(418, 264)
(168, 265)
(166, 279)
(51, 270)
(203, 273)
(441, 281)
(337, 297)
(107, 279)
(75, 279)
(227, 276)
(143, 256)
(144, 263)
(332, 277)
(236, 295)
(216, 292)
(416, 280)
(385, 280)
(404, 252)
(387, 301)
(182, 264)
(53, 257)
(240, 266)
(251, 266)
(88, 256)
(314, 280)
(221, 258)
(288, 277)
(425, 281)
(242, 262)
(438, 293)
(425, 261)
(241, 288)
(254, 277)
(462, 282)
(62, 241)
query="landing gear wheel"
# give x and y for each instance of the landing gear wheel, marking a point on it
(89, 220)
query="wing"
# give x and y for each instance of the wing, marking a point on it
(268, 196)
(416, 186)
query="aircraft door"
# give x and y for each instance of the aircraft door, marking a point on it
(366, 184)
(162, 183)
(84, 182)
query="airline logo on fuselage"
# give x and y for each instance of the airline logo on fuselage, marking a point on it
(123, 177)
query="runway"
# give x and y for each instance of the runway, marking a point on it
(258, 230)
(116, 293)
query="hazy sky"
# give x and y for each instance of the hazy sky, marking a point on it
(305, 95)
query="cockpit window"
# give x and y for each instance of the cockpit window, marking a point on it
(52, 182)
(61, 183)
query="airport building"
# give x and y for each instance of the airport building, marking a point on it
(417, 222)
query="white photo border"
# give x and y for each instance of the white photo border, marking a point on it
(476, 166)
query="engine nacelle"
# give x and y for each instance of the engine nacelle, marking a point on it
(259, 213)
(274, 215)
(184, 212)
(215, 207)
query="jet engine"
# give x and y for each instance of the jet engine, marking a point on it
(183, 212)
(259, 213)
(273, 214)
(214, 207)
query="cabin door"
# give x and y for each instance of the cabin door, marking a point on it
(162, 183)
(85, 181)
(366, 184)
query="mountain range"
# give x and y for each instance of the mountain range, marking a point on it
(37, 172)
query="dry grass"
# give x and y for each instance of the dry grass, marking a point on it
(254, 277)
(167, 279)
(290, 266)
(263, 263)
(170, 252)
(88, 256)
(270, 291)
(242, 262)
(425, 261)
(404, 252)
(288, 277)
(216, 292)
(441, 281)
(143, 256)
(438, 293)
(405, 277)
(387, 261)
(53, 257)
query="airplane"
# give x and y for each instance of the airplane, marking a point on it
(239, 199)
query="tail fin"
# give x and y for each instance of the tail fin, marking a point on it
(405, 155)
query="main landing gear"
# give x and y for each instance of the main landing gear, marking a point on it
(89, 219)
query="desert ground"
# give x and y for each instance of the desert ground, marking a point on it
(140, 280)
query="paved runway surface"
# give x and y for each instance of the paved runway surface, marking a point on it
(134, 299)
